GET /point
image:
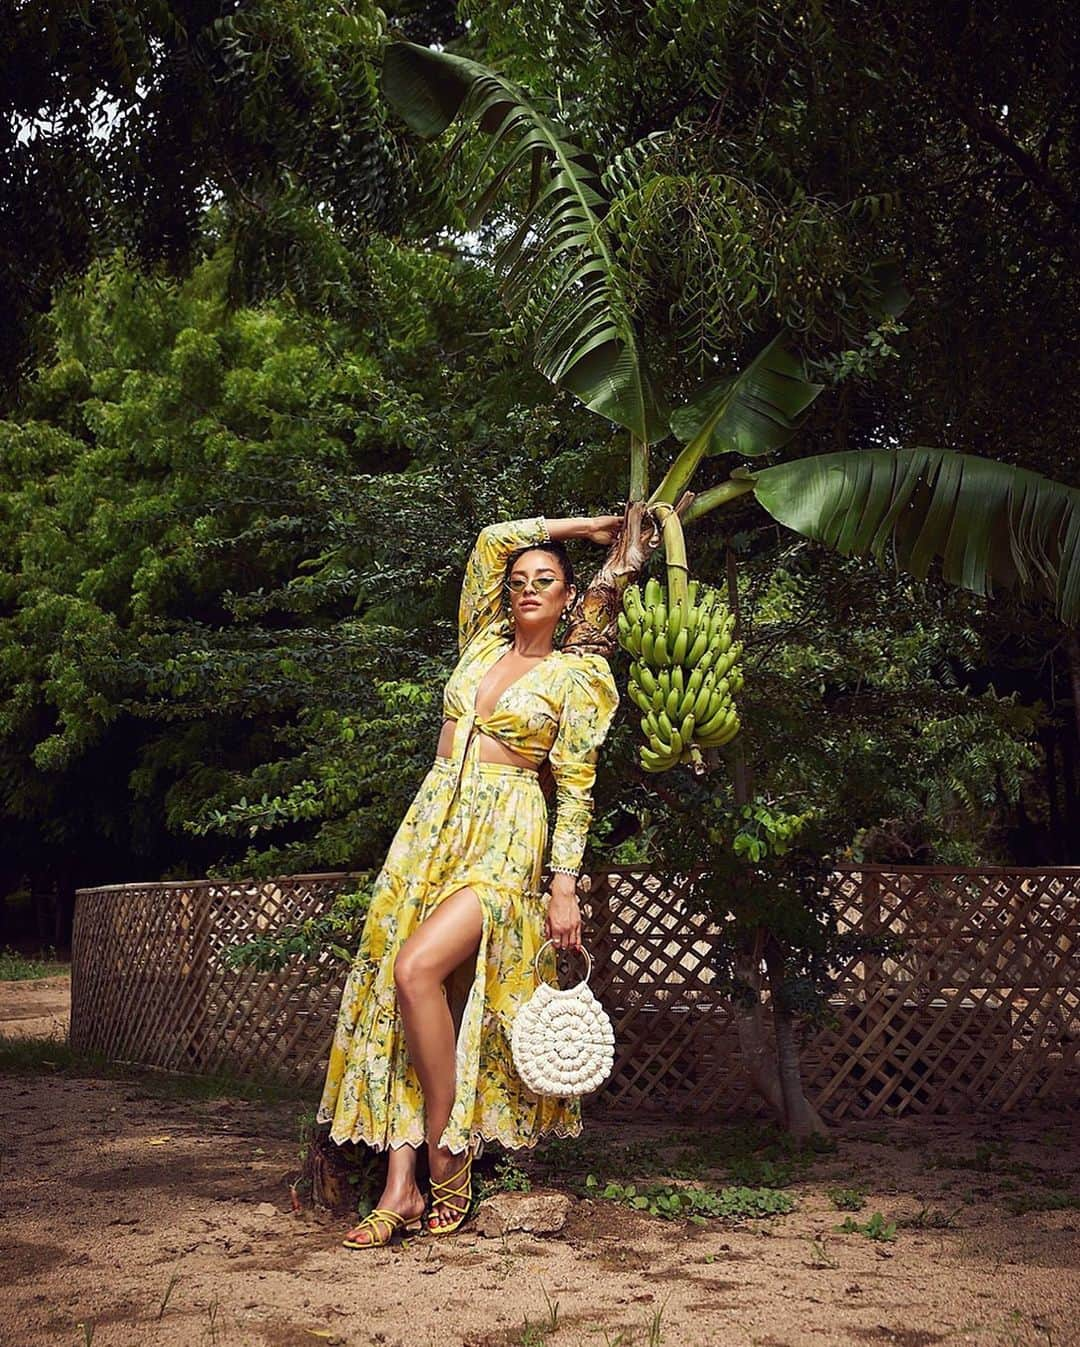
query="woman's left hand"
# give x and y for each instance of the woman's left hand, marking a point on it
(563, 913)
(604, 528)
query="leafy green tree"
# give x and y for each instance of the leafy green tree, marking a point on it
(123, 122)
(229, 567)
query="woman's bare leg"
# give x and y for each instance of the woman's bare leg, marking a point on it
(400, 1194)
(438, 945)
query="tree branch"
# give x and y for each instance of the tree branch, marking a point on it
(995, 134)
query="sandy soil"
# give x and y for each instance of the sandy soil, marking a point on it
(36, 1007)
(166, 1222)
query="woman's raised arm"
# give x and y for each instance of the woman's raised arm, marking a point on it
(480, 606)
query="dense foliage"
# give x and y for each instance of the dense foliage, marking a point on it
(231, 548)
(234, 504)
(124, 123)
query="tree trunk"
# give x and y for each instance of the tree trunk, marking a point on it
(592, 627)
(1049, 743)
(776, 1077)
(336, 1176)
(759, 1061)
(800, 1116)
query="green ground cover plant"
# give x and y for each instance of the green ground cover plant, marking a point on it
(16, 967)
(693, 1203)
(847, 1199)
(876, 1228)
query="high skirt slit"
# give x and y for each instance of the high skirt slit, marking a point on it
(483, 828)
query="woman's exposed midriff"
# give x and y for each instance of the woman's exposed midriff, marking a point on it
(491, 749)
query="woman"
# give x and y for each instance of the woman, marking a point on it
(458, 895)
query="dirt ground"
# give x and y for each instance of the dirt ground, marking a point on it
(36, 1007)
(133, 1219)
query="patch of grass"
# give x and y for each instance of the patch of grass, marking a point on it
(16, 967)
(532, 1335)
(876, 1228)
(822, 1258)
(168, 1292)
(848, 1199)
(652, 1326)
(1045, 1201)
(753, 1149)
(982, 1161)
(693, 1202)
(991, 1158)
(572, 1155)
(752, 1155)
(53, 1056)
(753, 1172)
(930, 1218)
(552, 1309)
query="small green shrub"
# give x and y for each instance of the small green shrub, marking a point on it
(876, 1228)
(847, 1199)
(507, 1178)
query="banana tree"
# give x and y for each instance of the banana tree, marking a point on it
(986, 524)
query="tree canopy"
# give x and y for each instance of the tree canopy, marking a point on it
(262, 393)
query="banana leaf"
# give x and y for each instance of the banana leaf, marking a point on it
(882, 292)
(558, 265)
(754, 411)
(988, 524)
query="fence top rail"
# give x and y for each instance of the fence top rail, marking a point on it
(249, 882)
(328, 876)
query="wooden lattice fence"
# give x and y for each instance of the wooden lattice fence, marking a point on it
(976, 1006)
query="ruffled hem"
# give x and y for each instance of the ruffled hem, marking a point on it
(507, 1143)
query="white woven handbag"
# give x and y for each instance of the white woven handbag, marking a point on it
(562, 1041)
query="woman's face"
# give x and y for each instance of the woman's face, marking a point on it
(538, 604)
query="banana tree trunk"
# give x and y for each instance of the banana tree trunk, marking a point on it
(759, 1060)
(592, 628)
(800, 1117)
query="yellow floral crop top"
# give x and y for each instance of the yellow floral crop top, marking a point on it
(560, 709)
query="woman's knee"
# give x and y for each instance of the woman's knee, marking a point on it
(440, 944)
(412, 972)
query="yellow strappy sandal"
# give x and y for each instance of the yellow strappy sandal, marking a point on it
(458, 1199)
(392, 1222)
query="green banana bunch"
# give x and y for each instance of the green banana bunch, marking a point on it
(684, 670)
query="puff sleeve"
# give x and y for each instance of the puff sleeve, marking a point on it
(588, 710)
(481, 597)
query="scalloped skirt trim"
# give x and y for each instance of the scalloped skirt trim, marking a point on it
(507, 1142)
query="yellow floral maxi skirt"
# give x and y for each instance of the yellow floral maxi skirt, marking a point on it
(487, 830)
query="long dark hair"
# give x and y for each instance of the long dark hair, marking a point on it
(555, 548)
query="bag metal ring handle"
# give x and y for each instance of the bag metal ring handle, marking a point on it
(583, 950)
